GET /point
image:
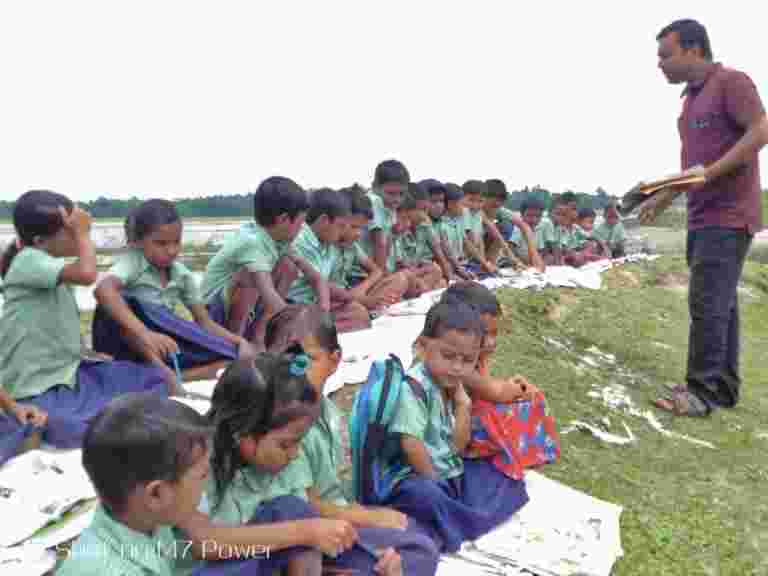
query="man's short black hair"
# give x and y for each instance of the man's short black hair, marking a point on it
(691, 33)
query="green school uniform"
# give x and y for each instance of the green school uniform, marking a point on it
(321, 256)
(474, 225)
(108, 547)
(141, 280)
(611, 235)
(453, 231)
(252, 248)
(545, 235)
(40, 342)
(383, 219)
(579, 237)
(566, 237)
(250, 488)
(322, 455)
(431, 423)
(423, 237)
(504, 215)
(348, 265)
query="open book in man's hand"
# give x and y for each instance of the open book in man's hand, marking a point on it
(645, 190)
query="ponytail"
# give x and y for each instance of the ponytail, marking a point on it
(7, 258)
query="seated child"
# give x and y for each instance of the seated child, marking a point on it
(354, 270)
(510, 421)
(42, 358)
(591, 248)
(452, 229)
(136, 319)
(475, 226)
(261, 413)
(425, 242)
(148, 460)
(611, 232)
(19, 426)
(436, 192)
(247, 280)
(390, 182)
(517, 234)
(457, 498)
(412, 249)
(322, 452)
(317, 244)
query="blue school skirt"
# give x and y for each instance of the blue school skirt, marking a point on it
(12, 436)
(219, 313)
(462, 508)
(280, 509)
(418, 552)
(197, 346)
(71, 409)
(476, 269)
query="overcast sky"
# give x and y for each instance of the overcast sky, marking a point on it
(187, 98)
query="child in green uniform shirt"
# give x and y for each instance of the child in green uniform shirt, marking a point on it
(475, 224)
(247, 280)
(390, 182)
(148, 460)
(413, 245)
(317, 244)
(322, 454)
(517, 235)
(355, 272)
(261, 412)
(453, 231)
(611, 232)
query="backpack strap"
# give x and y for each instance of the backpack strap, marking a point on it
(417, 388)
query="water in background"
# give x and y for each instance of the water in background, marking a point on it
(110, 236)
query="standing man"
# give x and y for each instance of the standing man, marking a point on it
(722, 126)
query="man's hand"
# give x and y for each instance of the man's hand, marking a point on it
(654, 206)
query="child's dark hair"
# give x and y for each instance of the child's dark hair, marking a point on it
(474, 188)
(408, 202)
(531, 204)
(453, 192)
(148, 216)
(496, 188)
(611, 206)
(327, 202)
(457, 315)
(390, 171)
(35, 214)
(474, 294)
(359, 203)
(286, 329)
(276, 196)
(418, 191)
(568, 198)
(433, 187)
(586, 212)
(250, 399)
(138, 439)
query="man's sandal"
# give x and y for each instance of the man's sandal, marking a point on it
(683, 403)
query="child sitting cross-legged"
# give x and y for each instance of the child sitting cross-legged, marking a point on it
(455, 497)
(391, 533)
(414, 248)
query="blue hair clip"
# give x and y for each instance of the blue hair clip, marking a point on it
(299, 365)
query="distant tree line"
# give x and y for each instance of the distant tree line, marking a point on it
(241, 205)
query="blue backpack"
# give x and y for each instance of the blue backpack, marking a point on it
(376, 452)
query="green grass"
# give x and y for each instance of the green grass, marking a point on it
(687, 509)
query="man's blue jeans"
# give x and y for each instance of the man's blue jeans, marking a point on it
(715, 258)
